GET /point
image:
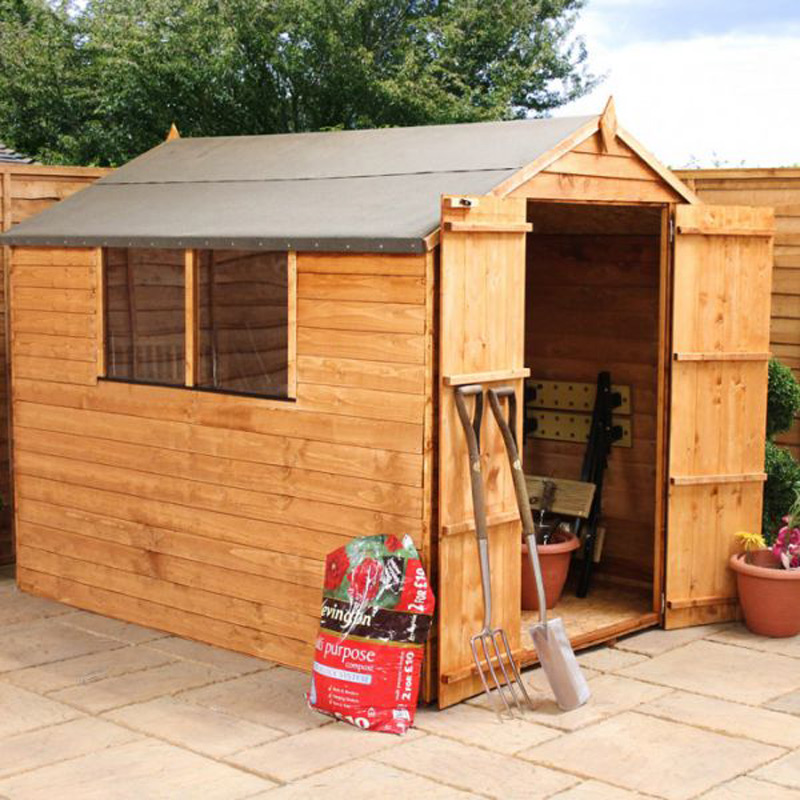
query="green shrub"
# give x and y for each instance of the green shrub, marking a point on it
(783, 398)
(783, 478)
(783, 471)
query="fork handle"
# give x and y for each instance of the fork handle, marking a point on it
(472, 429)
(520, 489)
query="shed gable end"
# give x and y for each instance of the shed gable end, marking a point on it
(589, 172)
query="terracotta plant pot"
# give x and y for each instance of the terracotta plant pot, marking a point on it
(769, 594)
(554, 559)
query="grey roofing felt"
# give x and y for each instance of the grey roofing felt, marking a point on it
(370, 190)
(9, 156)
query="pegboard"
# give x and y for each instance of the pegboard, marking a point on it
(564, 426)
(573, 396)
(562, 411)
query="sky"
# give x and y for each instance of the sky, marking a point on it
(699, 82)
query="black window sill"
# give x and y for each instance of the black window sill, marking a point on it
(206, 389)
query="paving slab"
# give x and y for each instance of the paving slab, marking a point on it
(788, 703)
(653, 756)
(724, 716)
(609, 659)
(785, 771)
(739, 635)
(19, 607)
(193, 726)
(481, 728)
(206, 654)
(595, 790)
(86, 669)
(31, 644)
(656, 641)
(275, 698)
(365, 780)
(536, 684)
(116, 629)
(746, 788)
(537, 680)
(55, 743)
(720, 670)
(297, 756)
(474, 769)
(142, 769)
(21, 710)
(611, 694)
(137, 687)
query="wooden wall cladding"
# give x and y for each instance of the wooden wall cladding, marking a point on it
(779, 189)
(25, 190)
(593, 304)
(209, 515)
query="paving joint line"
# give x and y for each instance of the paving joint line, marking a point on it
(174, 693)
(65, 760)
(717, 731)
(436, 780)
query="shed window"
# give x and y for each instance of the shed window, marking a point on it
(220, 320)
(144, 315)
(243, 340)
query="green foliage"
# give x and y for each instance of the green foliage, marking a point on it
(780, 488)
(100, 81)
(783, 471)
(783, 398)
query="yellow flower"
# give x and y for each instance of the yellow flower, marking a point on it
(751, 541)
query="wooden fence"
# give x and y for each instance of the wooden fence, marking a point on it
(779, 188)
(25, 189)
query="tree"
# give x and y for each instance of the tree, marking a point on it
(101, 81)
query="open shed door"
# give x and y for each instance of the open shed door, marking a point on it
(720, 335)
(482, 318)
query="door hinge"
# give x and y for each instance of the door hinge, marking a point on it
(671, 230)
(663, 603)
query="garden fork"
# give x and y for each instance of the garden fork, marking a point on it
(490, 645)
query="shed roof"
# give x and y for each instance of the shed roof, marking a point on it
(366, 190)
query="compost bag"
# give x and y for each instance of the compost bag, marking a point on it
(377, 608)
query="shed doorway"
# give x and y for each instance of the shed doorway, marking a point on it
(596, 302)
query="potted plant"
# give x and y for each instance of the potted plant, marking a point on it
(555, 545)
(768, 578)
(555, 555)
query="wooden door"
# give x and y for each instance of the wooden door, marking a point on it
(720, 337)
(482, 318)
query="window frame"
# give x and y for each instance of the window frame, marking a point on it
(191, 265)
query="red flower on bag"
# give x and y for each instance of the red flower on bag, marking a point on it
(392, 543)
(336, 566)
(365, 580)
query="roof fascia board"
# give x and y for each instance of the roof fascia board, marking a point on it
(432, 239)
(546, 159)
(667, 175)
(529, 170)
(298, 244)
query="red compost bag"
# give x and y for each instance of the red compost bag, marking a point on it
(377, 608)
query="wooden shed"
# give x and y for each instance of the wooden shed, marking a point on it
(26, 188)
(232, 355)
(777, 188)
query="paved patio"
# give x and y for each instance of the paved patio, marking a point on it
(95, 708)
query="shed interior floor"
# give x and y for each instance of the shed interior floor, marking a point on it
(608, 612)
(592, 300)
